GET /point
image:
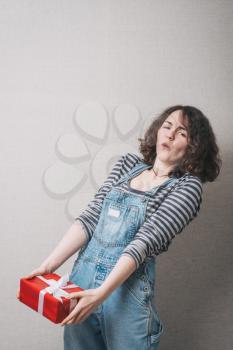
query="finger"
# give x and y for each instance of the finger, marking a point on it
(34, 273)
(75, 314)
(76, 294)
(67, 321)
(83, 314)
(76, 319)
(30, 275)
(71, 321)
(69, 317)
(83, 318)
(80, 319)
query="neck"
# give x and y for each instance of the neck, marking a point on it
(160, 168)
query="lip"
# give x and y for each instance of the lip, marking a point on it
(165, 145)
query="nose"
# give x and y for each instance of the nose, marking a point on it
(171, 134)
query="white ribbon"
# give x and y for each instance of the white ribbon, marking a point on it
(56, 289)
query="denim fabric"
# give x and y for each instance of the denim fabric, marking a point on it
(128, 318)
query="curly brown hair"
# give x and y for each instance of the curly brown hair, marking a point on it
(202, 156)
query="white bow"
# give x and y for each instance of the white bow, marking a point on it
(56, 289)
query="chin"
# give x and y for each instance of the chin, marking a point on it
(163, 156)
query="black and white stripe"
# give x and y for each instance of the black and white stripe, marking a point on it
(168, 212)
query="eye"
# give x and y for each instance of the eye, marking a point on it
(183, 134)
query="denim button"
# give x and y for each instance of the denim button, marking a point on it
(145, 289)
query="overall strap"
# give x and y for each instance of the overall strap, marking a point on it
(138, 168)
(165, 184)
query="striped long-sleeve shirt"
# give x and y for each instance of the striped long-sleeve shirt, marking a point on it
(168, 212)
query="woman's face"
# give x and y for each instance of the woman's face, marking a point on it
(175, 135)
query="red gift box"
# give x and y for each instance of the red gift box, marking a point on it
(47, 294)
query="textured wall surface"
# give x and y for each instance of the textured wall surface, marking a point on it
(80, 80)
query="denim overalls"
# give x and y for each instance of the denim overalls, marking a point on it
(128, 318)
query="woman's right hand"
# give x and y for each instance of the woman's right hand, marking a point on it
(39, 271)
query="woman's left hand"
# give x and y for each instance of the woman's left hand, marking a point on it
(88, 300)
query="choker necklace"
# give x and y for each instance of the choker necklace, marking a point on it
(157, 174)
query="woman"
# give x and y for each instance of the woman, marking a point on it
(133, 218)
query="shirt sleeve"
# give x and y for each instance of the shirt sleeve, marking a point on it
(176, 211)
(90, 216)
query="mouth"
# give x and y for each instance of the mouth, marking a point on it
(165, 145)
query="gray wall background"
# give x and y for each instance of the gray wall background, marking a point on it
(57, 56)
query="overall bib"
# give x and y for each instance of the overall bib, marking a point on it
(128, 318)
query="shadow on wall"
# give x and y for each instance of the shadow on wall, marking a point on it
(86, 155)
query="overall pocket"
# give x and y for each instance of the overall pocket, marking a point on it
(118, 224)
(139, 287)
(155, 327)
